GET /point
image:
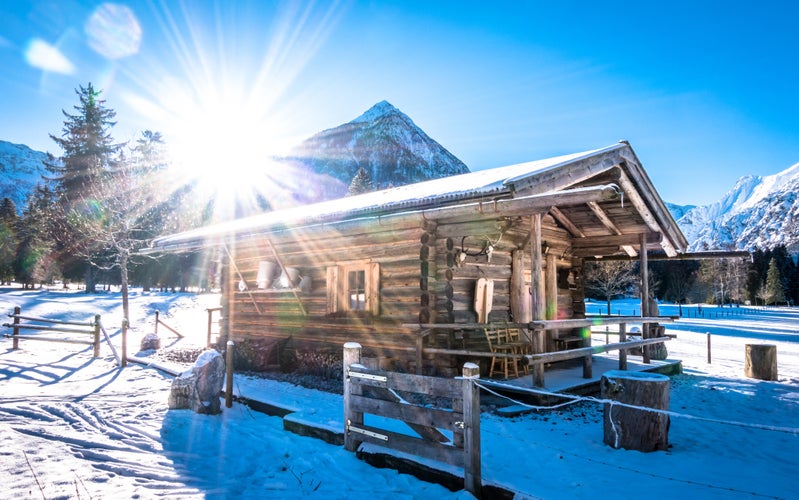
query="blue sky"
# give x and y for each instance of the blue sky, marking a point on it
(704, 91)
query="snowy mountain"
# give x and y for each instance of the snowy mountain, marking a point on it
(385, 142)
(758, 212)
(21, 168)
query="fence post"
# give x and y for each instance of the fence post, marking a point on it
(472, 466)
(708, 348)
(96, 335)
(229, 374)
(17, 312)
(352, 355)
(156, 323)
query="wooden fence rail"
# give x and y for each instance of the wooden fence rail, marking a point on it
(537, 328)
(93, 329)
(373, 392)
(158, 321)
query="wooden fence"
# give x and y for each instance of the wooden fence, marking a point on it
(537, 330)
(56, 326)
(375, 392)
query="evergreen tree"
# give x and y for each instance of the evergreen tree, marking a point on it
(80, 174)
(775, 291)
(35, 260)
(8, 239)
(361, 183)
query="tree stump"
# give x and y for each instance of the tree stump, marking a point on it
(631, 428)
(761, 361)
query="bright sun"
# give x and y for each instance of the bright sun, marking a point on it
(224, 113)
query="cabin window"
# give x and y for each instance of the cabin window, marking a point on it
(353, 288)
(356, 290)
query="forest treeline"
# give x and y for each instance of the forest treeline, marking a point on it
(769, 277)
(101, 202)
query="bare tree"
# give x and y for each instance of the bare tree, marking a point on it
(609, 279)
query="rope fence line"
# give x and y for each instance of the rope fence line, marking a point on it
(575, 399)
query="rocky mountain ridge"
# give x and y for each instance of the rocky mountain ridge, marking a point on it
(385, 142)
(21, 168)
(758, 212)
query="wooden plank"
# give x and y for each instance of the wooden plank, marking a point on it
(53, 321)
(559, 216)
(405, 382)
(616, 240)
(408, 444)
(420, 415)
(45, 328)
(49, 339)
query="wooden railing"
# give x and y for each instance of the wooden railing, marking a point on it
(373, 392)
(537, 330)
(158, 321)
(46, 325)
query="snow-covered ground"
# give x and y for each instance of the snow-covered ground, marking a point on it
(76, 427)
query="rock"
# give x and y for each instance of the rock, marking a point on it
(198, 388)
(150, 342)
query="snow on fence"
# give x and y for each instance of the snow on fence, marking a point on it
(47, 325)
(374, 392)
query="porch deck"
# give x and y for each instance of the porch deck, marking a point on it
(568, 378)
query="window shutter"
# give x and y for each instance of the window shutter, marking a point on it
(373, 288)
(332, 289)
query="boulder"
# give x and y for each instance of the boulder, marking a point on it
(150, 342)
(198, 388)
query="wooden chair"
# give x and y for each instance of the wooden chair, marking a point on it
(514, 340)
(497, 343)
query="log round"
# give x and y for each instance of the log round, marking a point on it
(631, 428)
(761, 361)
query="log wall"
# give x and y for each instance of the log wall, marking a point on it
(421, 281)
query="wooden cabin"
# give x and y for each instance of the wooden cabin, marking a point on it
(493, 246)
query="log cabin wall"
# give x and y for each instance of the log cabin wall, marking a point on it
(261, 317)
(420, 279)
(456, 279)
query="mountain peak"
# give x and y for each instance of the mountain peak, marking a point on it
(379, 110)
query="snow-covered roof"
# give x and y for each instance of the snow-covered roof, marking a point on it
(480, 185)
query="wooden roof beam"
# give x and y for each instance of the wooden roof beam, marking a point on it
(564, 221)
(617, 240)
(603, 217)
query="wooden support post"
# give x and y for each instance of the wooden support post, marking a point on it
(472, 466)
(761, 361)
(519, 294)
(156, 323)
(644, 295)
(352, 355)
(631, 428)
(538, 291)
(96, 335)
(588, 366)
(622, 352)
(17, 312)
(229, 374)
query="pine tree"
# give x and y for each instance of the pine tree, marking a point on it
(80, 175)
(35, 260)
(8, 239)
(775, 291)
(361, 183)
